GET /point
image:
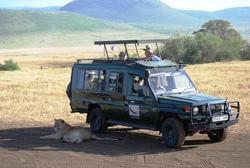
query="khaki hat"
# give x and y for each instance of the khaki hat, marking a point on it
(148, 48)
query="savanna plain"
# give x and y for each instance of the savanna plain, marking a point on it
(32, 97)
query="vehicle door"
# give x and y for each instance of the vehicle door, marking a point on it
(140, 103)
(115, 99)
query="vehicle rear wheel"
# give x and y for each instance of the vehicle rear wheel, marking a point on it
(173, 133)
(97, 121)
(218, 135)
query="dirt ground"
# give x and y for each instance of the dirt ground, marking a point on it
(20, 147)
(46, 72)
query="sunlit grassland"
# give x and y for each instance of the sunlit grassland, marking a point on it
(36, 93)
(229, 80)
(69, 38)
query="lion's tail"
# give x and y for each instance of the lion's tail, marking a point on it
(109, 139)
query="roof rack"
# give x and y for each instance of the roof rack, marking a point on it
(131, 41)
(135, 42)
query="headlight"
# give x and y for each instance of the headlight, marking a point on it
(195, 110)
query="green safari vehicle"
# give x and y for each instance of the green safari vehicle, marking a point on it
(154, 95)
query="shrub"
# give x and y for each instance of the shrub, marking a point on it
(9, 65)
(216, 41)
(245, 53)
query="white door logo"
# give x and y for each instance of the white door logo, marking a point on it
(134, 111)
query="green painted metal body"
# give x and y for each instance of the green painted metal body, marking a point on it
(152, 110)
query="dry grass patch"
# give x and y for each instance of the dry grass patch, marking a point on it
(229, 80)
(34, 94)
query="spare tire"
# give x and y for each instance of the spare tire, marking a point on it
(68, 91)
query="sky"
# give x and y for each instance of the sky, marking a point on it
(207, 5)
(33, 3)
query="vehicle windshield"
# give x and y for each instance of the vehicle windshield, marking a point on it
(170, 83)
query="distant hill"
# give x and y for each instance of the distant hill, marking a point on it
(29, 21)
(91, 20)
(142, 11)
(43, 28)
(239, 17)
(239, 13)
(155, 15)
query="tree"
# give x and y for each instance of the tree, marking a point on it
(209, 45)
(223, 43)
(181, 49)
(215, 41)
(220, 28)
(245, 52)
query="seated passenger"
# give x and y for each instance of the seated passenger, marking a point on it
(138, 86)
(149, 54)
(122, 56)
(159, 89)
(91, 82)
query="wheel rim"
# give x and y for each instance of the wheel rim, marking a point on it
(95, 122)
(170, 137)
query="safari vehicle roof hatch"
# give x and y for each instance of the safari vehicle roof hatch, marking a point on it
(135, 42)
(154, 64)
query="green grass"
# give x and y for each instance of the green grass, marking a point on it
(26, 21)
(26, 28)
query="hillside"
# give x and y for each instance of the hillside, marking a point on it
(155, 15)
(32, 28)
(27, 21)
(239, 17)
(142, 11)
(239, 13)
(47, 27)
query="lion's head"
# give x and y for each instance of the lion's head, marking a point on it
(60, 124)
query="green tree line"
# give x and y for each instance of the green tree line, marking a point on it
(215, 41)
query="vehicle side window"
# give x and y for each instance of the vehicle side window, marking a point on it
(115, 83)
(102, 80)
(139, 87)
(80, 79)
(91, 80)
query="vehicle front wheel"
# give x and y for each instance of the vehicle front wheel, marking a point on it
(97, 121)
(173, 133)
(218, 135)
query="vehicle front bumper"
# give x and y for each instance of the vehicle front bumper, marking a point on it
(212, 126)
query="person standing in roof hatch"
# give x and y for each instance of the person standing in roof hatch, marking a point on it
(149, 54)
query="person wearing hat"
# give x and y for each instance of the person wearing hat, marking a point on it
(149, 54)
(123, 56)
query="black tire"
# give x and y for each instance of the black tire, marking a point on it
(97, 121)
(173, 133)
(218, 135)
(68, 91)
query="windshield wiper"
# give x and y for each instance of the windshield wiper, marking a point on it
(187, 89)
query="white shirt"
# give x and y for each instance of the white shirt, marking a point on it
(154, 58)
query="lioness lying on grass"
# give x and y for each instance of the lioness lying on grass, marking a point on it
(72, 134)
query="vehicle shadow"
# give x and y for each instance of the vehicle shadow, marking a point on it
(131, 142)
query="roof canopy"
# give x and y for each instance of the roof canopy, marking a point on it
(131, 41)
